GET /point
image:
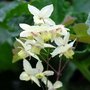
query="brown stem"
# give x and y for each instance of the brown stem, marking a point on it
(64, 65)
(49, 65)
(59, 70)
(48, 62)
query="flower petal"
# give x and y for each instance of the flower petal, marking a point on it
(35, 80)
(46, 11)
(49, 21)
(27, 66)
(39, 66)
(44, 80)
(59, 41)
(66, 38)
(35, 71)
(25, 33)
(47, 82)
(48, 73)
(33, 10)
(57, 84)
(24, 76)
(72, 43)
(37, 20)
(29, 28)
(34, 28)
(33, 55)
(18, 40)
(49, 45)
(56, 51)
(25, 27)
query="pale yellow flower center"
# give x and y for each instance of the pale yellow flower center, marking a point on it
(35, 50)
(40, 75)
(46, 36)
(69, 53)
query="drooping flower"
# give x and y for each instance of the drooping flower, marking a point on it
(63, 47)
(26, 49)
(42, 16)
(28, 73)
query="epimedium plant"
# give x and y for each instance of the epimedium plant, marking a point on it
(43, 35)
(17, 12)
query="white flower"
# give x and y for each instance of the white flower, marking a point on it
(34, 74)
(63, 47)
(62, 41)
(58, 30)
(42, 16)
(32, 29)
(63, 30)
(54, 86)
(28, 30)
(26, 48)
(42, 74)
(28, 73)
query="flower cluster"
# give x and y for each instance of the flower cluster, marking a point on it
(43, 34)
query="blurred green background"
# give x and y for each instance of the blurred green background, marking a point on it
(73, 14)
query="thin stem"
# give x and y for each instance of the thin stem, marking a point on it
(64, 65)
(59, 69)
(48, 62)
(49, 65)
(47, 69)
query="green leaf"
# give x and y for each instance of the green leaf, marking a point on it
(19, 14)
(83, 64)
(68, 20)
(67, 74)
(81, 6)
(6, 57)
(7, 8)
(17, 11)
(13, 14)
(80, 29)
(5, 36)
(81, 33)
